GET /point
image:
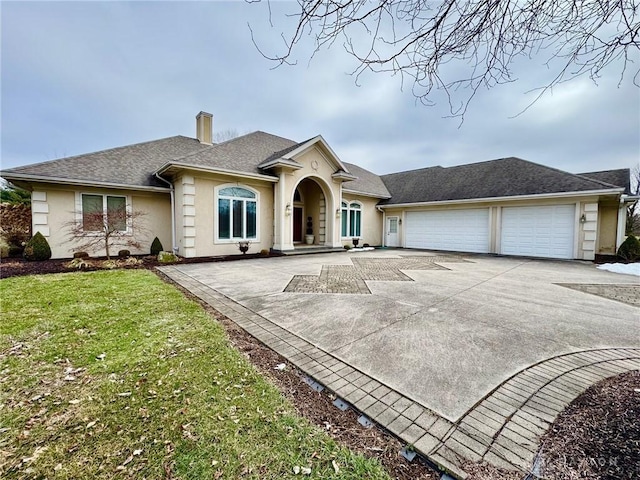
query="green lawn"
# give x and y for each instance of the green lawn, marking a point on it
(115, 374)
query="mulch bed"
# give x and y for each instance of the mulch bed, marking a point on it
(597, 436)
(16, 267)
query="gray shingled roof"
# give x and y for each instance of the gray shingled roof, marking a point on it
(242, 154)
(496, 178)
(367, 182)
(131, 165)
(620, 178)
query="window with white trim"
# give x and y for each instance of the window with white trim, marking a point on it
(351, 217)
(237, 213)
(100, 212)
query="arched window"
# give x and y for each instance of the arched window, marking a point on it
(237, 213)
(351, 217)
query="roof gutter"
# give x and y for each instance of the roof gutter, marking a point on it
(365, 194)
(540, 196)
(84, 183)
(174, 246)
(222, 171)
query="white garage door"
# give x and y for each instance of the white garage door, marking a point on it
(454, 230)
(538, 231)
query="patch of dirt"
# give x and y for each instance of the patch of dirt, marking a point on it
(597, 436)
(318, 407)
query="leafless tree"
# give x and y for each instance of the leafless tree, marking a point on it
(633, 211)
(106, 230)
(421, 40)
(224, 135)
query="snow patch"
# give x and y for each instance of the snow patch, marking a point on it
(624, 268)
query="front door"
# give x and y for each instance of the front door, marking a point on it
(392, 232)
(297, 224)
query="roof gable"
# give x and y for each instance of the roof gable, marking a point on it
(504, 177)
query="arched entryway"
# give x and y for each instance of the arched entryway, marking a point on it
(309, 219)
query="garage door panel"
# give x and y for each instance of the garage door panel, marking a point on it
(453, 230)
(539, 231)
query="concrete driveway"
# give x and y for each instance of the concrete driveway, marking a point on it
(444, 331)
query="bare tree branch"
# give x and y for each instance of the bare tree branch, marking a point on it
(418, 38)
(98, 230)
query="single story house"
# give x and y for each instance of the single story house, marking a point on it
(203, 198)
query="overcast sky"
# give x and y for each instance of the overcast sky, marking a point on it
(80, 77)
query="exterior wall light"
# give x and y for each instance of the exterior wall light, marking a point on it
(399, 221)
(287, 210)
(337, 213)
(583, 218)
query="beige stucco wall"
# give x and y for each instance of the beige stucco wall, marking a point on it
(599, 220)
(55, 207)
(197, 214)
(371, 220)
(607, 226)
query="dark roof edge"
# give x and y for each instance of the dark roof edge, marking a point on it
(24, 177)
(572, 193)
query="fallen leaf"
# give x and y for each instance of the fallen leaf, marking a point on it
(74, 402)
(124, 394)
(91, 424)
(296, 470)
(335, 466)
(137, 452)
(69, 378)
(280, 366)
(305, 470)
(214, 463)
(128, 460)
(101, 356)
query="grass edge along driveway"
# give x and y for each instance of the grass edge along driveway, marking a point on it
(116, 374)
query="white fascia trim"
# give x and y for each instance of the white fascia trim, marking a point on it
(540, 196)
(363, 194)
(282, 162)
(344, 176)
(313, 141)
(83, 183)
(221, 171)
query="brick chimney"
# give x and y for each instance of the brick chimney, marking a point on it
(204, 128)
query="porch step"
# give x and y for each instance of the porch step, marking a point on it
(307, 250)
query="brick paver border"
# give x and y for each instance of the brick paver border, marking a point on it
(503, 428)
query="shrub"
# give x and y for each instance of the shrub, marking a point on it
(80, 255)
(4, 248)
(78, 263)
(629, 251)
(167, 257)
(366, 245)
(15, 251)
(347, 247)
(124, 253)
(264, 252)
(37, 249)
(156, 246)
(110, 264)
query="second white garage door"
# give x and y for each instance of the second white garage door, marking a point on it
(538, 231)
(454, 230)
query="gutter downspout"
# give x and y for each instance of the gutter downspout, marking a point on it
(175, 248)
(384, 225)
